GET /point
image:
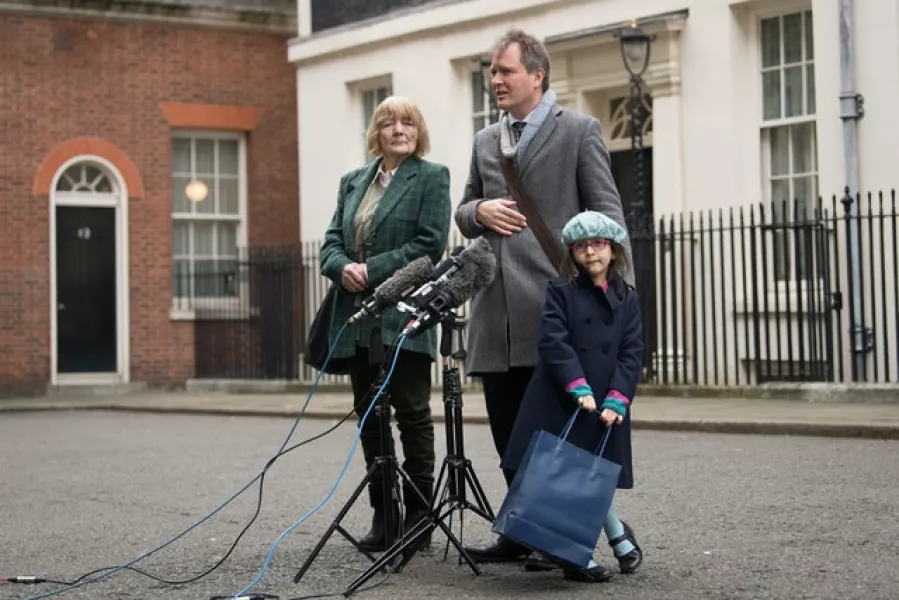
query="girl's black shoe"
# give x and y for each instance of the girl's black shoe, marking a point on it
(630, 562)
(596, 574)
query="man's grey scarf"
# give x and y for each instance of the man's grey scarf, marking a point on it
(510, 149)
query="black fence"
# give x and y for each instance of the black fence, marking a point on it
(247, 313)
(788, 292)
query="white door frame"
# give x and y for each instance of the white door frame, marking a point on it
(117, 200)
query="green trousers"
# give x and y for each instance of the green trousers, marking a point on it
(410, 396)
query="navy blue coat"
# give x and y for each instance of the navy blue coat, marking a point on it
(590, 333)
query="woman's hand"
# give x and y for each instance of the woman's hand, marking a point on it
(353, 278)
(610, 417)
(588, 403)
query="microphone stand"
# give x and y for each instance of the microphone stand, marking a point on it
(386, 461)
(455, 473)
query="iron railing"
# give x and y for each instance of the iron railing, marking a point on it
(248, 313)
(730, 297)
(744, 296)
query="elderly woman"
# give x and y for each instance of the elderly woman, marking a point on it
(389, 212)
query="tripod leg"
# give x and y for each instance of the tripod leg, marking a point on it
(424, 527)
(439, 483)
(413, 538)
(454, 541)
(430, 522)
(335, 526)
(483, 506)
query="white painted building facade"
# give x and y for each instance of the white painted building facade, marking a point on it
(745, 94)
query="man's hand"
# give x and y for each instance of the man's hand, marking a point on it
(609, 417)
(500, 216)
(588, 403)
(353, 278)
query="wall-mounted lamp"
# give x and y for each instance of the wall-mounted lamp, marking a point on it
(196, 191)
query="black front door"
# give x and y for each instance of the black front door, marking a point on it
(85, 290)
(640, 221)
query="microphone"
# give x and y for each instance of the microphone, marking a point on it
(475, 274)
(395, 287)
(445, 270)
(450, 265)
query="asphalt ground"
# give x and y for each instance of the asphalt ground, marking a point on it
(718, 516)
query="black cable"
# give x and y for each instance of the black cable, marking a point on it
(246, 527)
(221, 561)
(225, 557)
(30, 580)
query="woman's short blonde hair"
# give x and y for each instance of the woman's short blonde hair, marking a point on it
(392, 108)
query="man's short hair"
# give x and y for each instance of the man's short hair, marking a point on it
(533, 53)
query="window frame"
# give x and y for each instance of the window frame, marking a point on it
(784, 267)
(375, 89)
(804, 64)
(185, 306)
(490, 113)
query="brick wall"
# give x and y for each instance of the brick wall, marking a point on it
(64, 78)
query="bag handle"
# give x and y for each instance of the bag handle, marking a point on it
(567, 429)
(549, 244)
(601, 447)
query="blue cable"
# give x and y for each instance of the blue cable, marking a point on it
(118, 568)
(343, 471)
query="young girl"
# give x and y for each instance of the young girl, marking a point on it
(590, 353)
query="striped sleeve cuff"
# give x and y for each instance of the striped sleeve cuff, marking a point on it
(616, 395)
(576, 383)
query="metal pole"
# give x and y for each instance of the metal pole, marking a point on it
(636, 101)
(850, 112)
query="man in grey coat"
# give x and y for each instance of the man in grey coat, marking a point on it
(563, 166)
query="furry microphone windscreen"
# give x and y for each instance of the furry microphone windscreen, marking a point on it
(478, 273)
(411, 276)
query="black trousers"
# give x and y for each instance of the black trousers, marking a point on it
(503, 393)
(410, 397)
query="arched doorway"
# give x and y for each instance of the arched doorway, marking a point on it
(89, 273)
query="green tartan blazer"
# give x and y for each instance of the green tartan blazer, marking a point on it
(411, 220)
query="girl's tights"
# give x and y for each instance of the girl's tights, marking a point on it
(613, 529)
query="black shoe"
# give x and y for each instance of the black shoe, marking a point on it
(502, 550)
(413, 517)
(630, 562)
(416, 510)
(538, 562)
(596, 574)
(374, 540)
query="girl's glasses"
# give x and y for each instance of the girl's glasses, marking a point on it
(597, 244)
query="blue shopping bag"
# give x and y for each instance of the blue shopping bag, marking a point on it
(559, 499)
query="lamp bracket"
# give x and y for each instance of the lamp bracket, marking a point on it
(852, 106)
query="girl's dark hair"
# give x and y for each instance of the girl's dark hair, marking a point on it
(618, 267)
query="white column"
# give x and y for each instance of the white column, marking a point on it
(667, 152)
(668, 199)
(304, 17)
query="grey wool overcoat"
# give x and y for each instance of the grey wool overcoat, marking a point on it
(565, 169)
